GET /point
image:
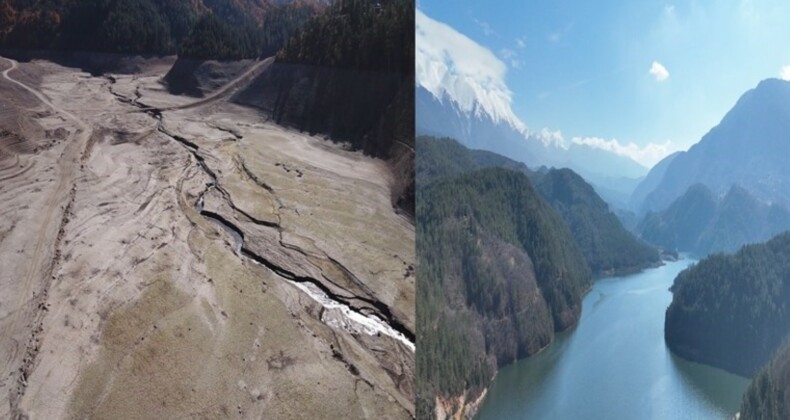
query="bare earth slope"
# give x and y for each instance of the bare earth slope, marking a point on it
(162, 258)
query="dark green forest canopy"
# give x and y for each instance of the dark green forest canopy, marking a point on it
(349, 74)
(499, 273)
(768, 396)
(732, 311)
(215, 38)
(209, 29)
(607, 246)
(364, 35)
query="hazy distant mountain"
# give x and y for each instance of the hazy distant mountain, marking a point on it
(750, 147)
(682, 223)
(606, 245)
(650, 182)
(598, 163)
(701, 222)
(474, 127)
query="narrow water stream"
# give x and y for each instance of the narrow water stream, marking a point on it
(336, 313)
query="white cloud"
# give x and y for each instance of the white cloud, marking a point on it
(486, 27)
(512, 57)
(521, 42)
(451, 65)
(785, 73)
(647, 155)
(551, 138)
(659, 72)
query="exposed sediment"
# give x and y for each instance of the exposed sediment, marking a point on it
(205, 262)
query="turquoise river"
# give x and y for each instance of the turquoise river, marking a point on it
(615, 365)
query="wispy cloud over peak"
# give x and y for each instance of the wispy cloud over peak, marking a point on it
(551, 138)
(647, 155)
(452, 66)
(785, 73)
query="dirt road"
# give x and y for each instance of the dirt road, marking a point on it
(16, 337)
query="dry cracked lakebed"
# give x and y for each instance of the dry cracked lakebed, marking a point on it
(167, 257)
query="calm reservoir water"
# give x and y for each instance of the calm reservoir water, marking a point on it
(615, 365)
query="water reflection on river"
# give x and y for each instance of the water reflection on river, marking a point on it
(615, 365)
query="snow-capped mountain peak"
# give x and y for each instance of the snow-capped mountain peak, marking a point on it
(454, 68)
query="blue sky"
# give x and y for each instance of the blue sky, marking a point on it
(641, 78)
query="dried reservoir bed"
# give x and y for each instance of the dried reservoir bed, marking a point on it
(166, 257)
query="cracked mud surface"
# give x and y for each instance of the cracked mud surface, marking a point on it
(192, 260)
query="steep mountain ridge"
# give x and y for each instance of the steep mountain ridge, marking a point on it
(499, 274)
(456, 100)
(702, 222)
(748, 147)
(650, 182)
(606, 245)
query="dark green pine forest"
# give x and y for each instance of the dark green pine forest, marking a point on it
(349, 74)
(202, 29)
(213, 37)
(606, 245)
(731, 311)
(768, 396)
(499, 274)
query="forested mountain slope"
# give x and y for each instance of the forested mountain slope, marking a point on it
(349, 74)
(768, 396)
(749, 147)
(702, 223)
(499, 274)
(606, 245)
(732, 311)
